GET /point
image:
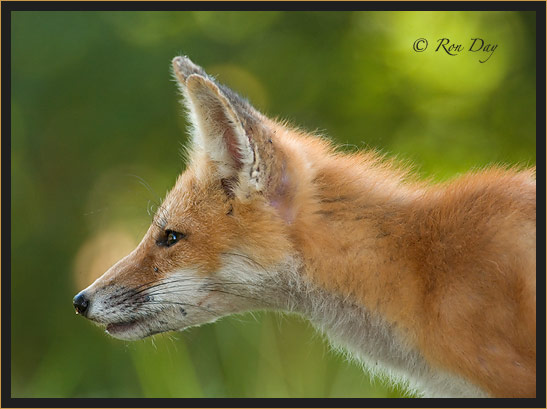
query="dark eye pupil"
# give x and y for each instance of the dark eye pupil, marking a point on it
(172, 238)
(169, 238)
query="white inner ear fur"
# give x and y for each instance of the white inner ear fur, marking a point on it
(217, 129)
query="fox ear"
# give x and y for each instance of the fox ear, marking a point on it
(234, 135)
(219, 131)
(217, 127)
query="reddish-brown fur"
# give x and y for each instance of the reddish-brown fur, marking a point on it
(453, 266)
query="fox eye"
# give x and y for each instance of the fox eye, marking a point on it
(171, 237)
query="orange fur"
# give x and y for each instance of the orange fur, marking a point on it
(453, 266)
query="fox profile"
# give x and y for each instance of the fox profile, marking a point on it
(435, 283)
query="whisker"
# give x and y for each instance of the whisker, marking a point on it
(208, 289)
(161, 216)
(213, 285)
(146, 185)
(179, 303)
(129, 293)
(248, 258)
(178, 282)
(128, 290)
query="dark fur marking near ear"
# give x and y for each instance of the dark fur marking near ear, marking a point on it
(231, 211)
(334, 199)
(228, 185)
(324, 212)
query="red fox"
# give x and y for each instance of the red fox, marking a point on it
(434, 283)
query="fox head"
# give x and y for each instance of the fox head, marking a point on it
(219, 240)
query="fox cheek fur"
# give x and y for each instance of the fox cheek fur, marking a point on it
(435, 284)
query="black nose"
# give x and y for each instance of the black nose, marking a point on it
(80, 302)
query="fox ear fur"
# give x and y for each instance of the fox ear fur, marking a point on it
(218, 128)
(226, 128)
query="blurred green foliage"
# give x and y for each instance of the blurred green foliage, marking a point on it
(94, 110)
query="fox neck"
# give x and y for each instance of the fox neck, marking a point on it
(350, 218)
(363, 335)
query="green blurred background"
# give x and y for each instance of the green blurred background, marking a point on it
(94, 110)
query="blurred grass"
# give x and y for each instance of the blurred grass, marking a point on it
(94, 109)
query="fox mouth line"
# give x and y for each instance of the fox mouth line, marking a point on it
(138, 326)
(117, 327)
